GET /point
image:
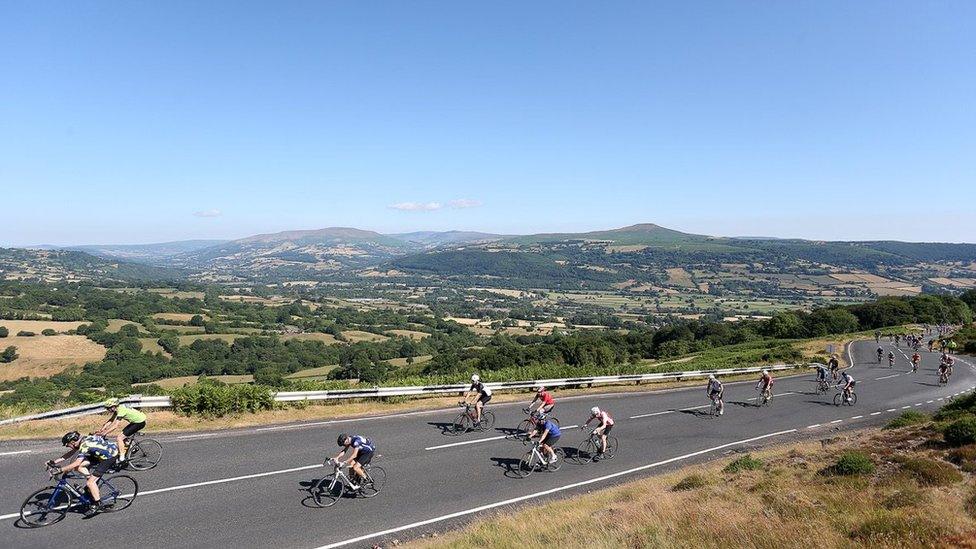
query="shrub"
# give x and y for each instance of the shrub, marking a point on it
(743, 463)
(48, 332)
(852, 463)
(928, 472)
(212, 400)
(690, 482)
(4, 332)
(909, 497)
(910, 417)
(25, 333)
(9, 355)
(961, 431)
(957, 407)
(964, 457)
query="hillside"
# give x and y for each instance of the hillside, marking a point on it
(65, 265)
(145, 253)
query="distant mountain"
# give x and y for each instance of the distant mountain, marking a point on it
(311, 254)
(71, 265)
(644, 233)
(146, 253)
(435, 238)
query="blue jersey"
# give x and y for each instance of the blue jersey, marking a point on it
(363, 444)
(553, 428)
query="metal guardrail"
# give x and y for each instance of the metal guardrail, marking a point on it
(140, 401)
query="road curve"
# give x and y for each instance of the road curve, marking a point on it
(247, 487)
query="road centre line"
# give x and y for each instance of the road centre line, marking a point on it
(13, 453)
(465, 443)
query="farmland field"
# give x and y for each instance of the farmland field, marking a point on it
(412, 334)
(179, 317)
(355, 336)
(328, 339)
(44, 356)
(401, 362)
(37, 326)
(115, 324)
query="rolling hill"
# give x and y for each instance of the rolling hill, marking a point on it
(76, 266)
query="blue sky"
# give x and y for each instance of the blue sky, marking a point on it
(136, 122)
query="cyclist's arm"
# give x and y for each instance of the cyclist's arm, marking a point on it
(352, 456)
(76, 464)
(66, 455)
(542, 437)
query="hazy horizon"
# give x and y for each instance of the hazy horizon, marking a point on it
(143, 123)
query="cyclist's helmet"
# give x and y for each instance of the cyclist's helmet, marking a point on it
(765, 372)
(70, 437)
(540, 389)
(595, 410)
(475, 378)
(711, 377)
(111, 403)
(341, 441)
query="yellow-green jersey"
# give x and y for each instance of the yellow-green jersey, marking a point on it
(130, 414)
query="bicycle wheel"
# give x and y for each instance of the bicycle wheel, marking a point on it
(375, 481)
(45, 507)
(487, 421)
(118, 492)
(144, 454)
(611, 448)
(460, 425)
(560, 458)
(767, 399)
(524, 428)
(853, 399)
(328, 491)
(838, 399)
(586, 451)
(526, 465)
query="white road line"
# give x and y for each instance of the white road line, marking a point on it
(905, 407)
(196, 436)
(929, 401)
(875, 413)
(544, 493)
(353, 419)
(836, 421)
(919, 404)
(886, 377)
(814, 426)
(890, 410)
(654, 414)
(857, 417)
(17, 452)
(465, 443)
(208, 483)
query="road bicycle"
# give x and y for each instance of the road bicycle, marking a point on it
(851, 400)
(589, 449)
(715, 410)
(823, 386)
(535, 460)
(465, 421)
(766, 397)
(142, 453)
(528, 424)
(943, 378)
(50, 504)
(338, 484)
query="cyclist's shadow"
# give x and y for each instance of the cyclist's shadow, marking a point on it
(510, 465)
(445, 427)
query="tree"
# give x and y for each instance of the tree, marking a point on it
(196, 320)
(4, 332)
(9, 355)
(48, 332)
(784, 326)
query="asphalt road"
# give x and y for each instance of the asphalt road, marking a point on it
(246, 487)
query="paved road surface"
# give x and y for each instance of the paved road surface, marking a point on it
(246, 487)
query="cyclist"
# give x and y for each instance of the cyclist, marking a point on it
(891, 359)
(849, 383)
(931, 345)
(822, 373)
(714, 390)
(546, 402)
(944, 370)
(834, 365)
(362, 453)
(880, 353)
(606, 425)
(949, 362)
(916, 358)
(877, 337)
(765, 383)
(897, 339)
(548, 433)
(136, 422)
(479, 390)
(95, 457)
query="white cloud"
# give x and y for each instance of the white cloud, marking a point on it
(464, 203)
(208, 213)
(417, 206)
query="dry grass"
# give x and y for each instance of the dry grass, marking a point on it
(175, 382)
(321, 371)
(328, 339)
(179, 317)
(788, 496)
(355, 336)
(115, 324)
(189, 339)
(401, 362)
(45, 356)
(151, 345)
(37, 326)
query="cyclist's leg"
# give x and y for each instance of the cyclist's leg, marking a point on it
(477, 411)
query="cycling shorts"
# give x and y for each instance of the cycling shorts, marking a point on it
(363, 458)
(102, 467)
(484, 398)
(133, 428)
(607, 430)
(551, 441)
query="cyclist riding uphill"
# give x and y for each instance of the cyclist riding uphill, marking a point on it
(362, 453)
(765, 382)
(546, 402)
(834, 365)
(849, 383)
(95, 457)
(821, 372)
(714, 390)
(603, 429)
(479, 390)
(119, 413)
(880, 353)
(548, 433)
